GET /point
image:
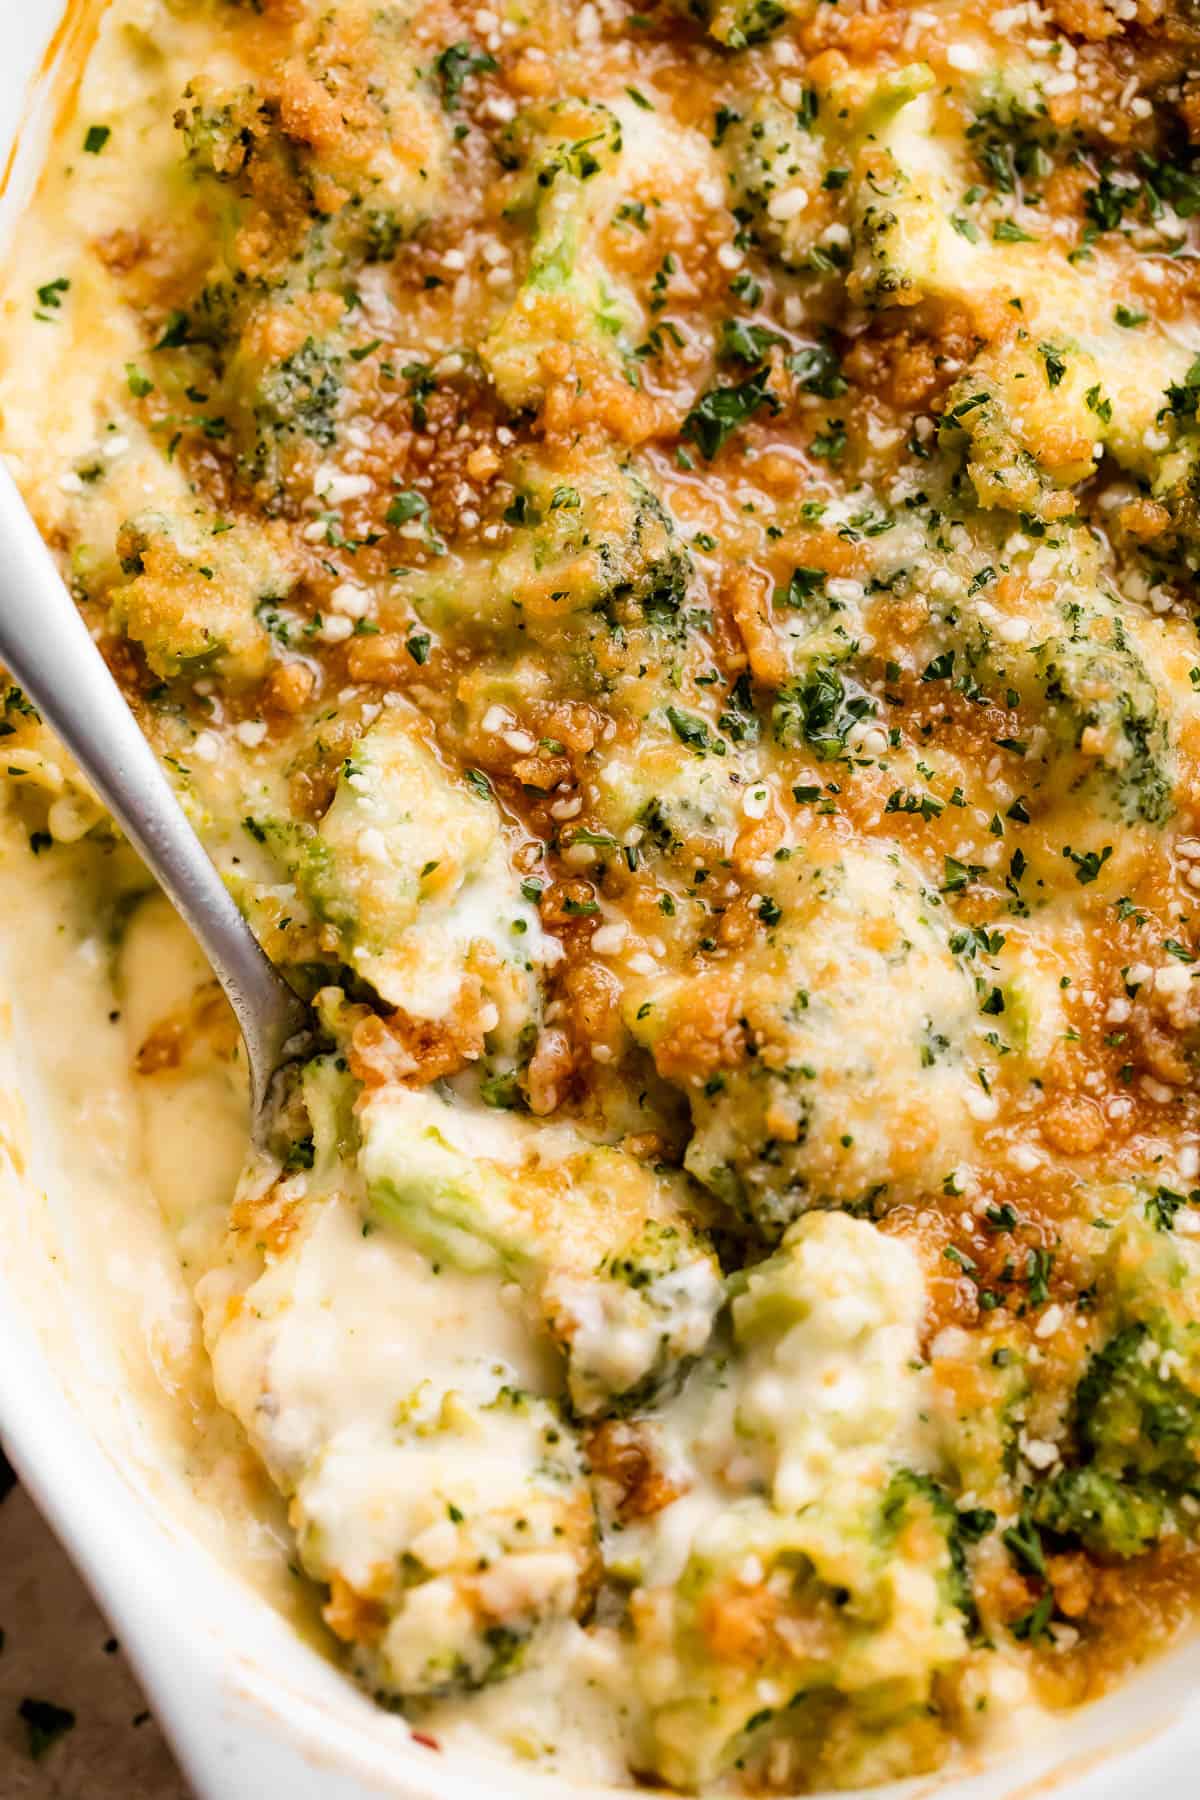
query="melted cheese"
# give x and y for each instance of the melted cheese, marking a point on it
(659, 554)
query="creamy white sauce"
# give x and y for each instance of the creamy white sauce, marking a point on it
(328, 1353)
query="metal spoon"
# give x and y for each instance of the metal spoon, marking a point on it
(49, 650)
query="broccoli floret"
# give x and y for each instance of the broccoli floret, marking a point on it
(1135, 1414)
(695, 801)
(1081, 666)
(592, 548)
(806, 1587)
(284, 389)
(904, 244)
(247, 174)
(581, 172)
(444, 1506)
(739, 23)
(1177, 488)
(605, 1249)
(300, 394)
(800, 1085)
(854, 181)
(1036, 413)
(1086, 679)
(772, 151)
(813, 1595)
(463, 1615)
(54, 797)
(342, 149)
(795, 1611)
(1030, 429)
(910, 192)
(410, 867)
(1013, 138)
(904, 187)
(1108, 1516)
(915, 1501)
(1174, 476)
(980, 1402)
(835, 1292)
(687, 808)
(195, 588)
(220, 130)
(566, 154)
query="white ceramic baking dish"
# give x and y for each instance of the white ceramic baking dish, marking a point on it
(253, 1711)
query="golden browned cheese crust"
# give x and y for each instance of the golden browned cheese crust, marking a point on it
(659, 545)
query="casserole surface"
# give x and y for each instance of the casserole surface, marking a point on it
(658, 552)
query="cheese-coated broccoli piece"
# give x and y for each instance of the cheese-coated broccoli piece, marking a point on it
(439, 1500)
(1107, 1516)
(343, 147)
(830, 1607)
(410, 868)
(607, 1249)
(592, 549)
(804, 1089)
(567, 152)
(284, 393)
(194, 589)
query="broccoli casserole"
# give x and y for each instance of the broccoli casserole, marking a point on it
(658, 545)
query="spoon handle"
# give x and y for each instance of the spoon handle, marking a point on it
(48, 648)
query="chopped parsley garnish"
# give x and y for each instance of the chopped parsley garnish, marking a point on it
(1038, 1264)
(50, 296)
(1023, 1541)
(956, 875)
(405, 506)
(802, 586)
(1164, 1203)
(1088, 863)
(1055, 363)
(818, 371)
(455, 64)
(689, 729)
(1007, 231)
(746, 342)
(723, 410)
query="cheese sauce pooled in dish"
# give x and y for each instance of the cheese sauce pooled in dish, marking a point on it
(658, 548)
